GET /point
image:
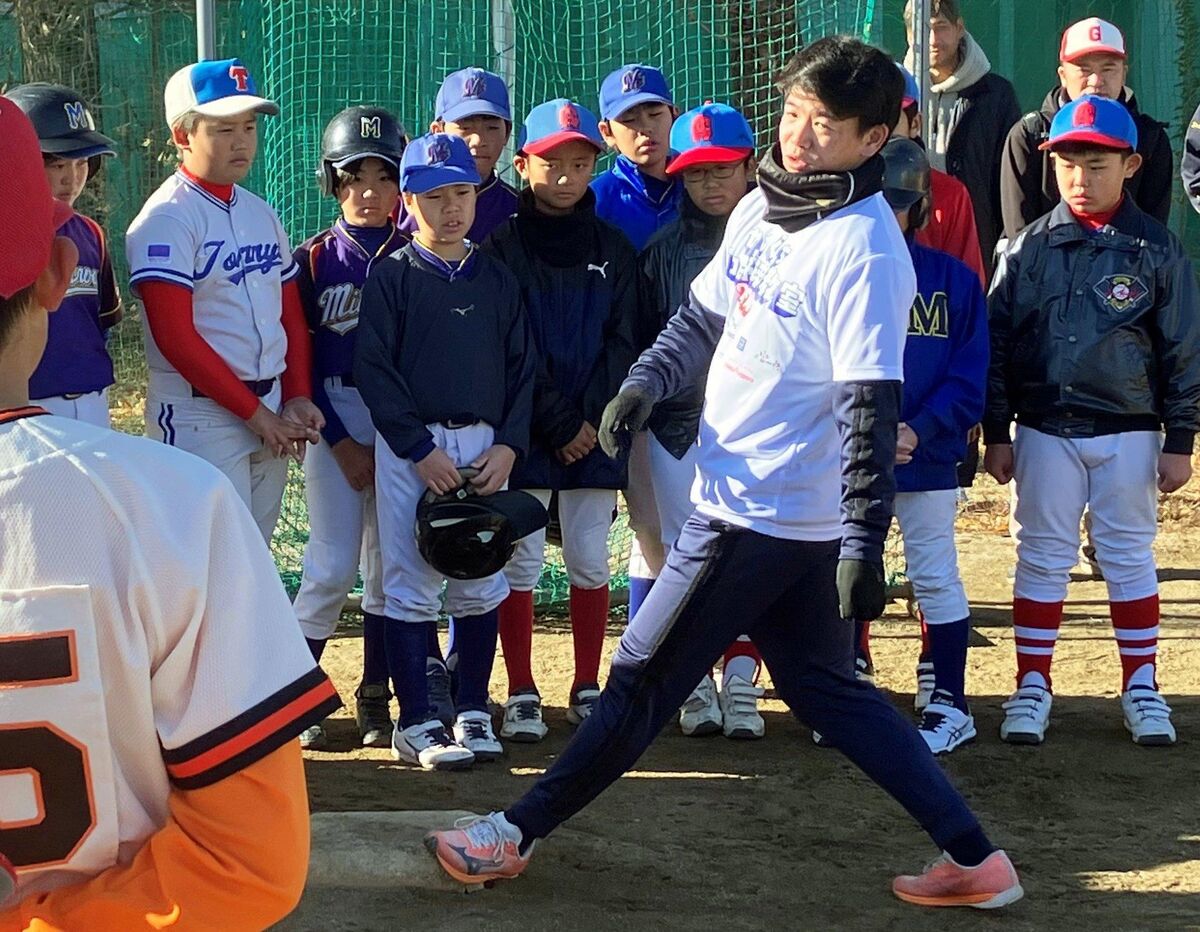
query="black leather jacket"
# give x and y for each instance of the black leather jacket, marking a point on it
(674, 256)
(1095, 333)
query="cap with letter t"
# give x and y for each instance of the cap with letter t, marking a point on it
(1093, 120)
(631, 85)
(34, 214)
(555, 122)
(709, 133)
(1093, 36)
(214, 89)
(436, 160)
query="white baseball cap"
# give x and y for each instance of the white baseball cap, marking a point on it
(1091, 36)
(214, 88)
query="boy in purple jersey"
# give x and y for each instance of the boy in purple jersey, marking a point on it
(360, 157)
(73, 377)
(473, 104)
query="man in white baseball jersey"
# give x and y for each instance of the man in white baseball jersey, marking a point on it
(803, 312)
(149, 776)
(226, 338)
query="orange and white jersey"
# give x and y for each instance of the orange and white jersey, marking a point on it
(146, 642)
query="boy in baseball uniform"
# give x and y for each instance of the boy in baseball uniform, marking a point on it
(445, 363)
(578, 285)
(360, 167)
(803, 312)
(152, 680)
(1095, 335)
(73, 377)
(226, 338)
(714, 157)
(638, 197)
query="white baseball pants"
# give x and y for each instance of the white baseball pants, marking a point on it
(672, 481)
(585, 516)
(926, 521)
(91, 408)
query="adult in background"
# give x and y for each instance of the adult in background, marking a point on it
(1189, 166)
(1092, 60)
(973, 111)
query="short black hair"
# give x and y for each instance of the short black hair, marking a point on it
(946, 9)
(347, 173)
(11, 310)
(851, 78)
(1091, 148)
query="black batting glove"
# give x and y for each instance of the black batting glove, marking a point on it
(623, 417)
(861, 590)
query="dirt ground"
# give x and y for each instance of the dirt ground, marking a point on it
(782, 834)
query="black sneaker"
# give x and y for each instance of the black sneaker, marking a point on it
(441, 698)
(371, 713)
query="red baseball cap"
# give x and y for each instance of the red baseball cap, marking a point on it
(35, 215)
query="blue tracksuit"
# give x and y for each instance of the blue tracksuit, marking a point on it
(945, 368)
(636, 204)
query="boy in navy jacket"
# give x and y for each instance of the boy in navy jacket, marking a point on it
(578, 285)
(945, 374)
(445, 364)
(360, 166)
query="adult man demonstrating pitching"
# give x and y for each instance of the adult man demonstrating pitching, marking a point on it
(806, 306)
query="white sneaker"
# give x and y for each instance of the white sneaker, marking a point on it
(523, 719)
(1026, 716)
(944, 726)
(473, 731)
(313, 738)
(925, 686)
(739, 707)
(1147, 716)
(701, 713)
(583, 700)
(430, 747)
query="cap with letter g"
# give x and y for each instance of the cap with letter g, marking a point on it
(214, 89)
(1093, 36)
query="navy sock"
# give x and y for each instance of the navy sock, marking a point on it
(475, 641)
(375, 667)
(405, 644)
(433, 646)
(970, 849)
(639, 588)
(317, 646)
(948, 651)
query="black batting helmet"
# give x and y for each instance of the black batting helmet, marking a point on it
(906, 179)
(467, 536)
(63, 122)
(359, 133)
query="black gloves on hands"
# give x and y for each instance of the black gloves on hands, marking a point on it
(861, 590)
(623, 417)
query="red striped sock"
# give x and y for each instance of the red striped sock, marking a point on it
(516, 639)
(1035, 627)
(589, 615)
(1136, 627)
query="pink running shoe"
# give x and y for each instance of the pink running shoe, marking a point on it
(477, 850)
(990, 885)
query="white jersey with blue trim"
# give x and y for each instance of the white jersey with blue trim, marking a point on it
(233, 257)
(802, 311)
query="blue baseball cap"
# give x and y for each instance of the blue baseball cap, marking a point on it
(555, 122)
(631, 85)
(1095, 120)
(434, 161)
(472, 92)
(214, 88)
(912, 91)
(710, 133)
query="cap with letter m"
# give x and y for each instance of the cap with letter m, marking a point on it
(472, 92)
(214, 89)
(1093, 120)
(1093, 36)
(436, 160)
(631, 85)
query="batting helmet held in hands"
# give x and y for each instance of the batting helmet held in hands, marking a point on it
(63, 122)
(906, 179)
(467, 536)
(359, 133)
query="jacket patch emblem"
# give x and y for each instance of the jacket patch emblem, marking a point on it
(1121, 292)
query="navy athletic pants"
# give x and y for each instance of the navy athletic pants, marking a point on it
(720, 582)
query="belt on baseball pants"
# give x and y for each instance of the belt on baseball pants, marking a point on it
(459, 421)
(260, 388)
